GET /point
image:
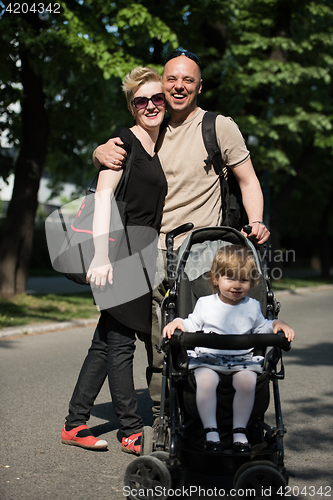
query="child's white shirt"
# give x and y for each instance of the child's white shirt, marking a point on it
(212, 315)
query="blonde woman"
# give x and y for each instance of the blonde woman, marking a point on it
(113, 345)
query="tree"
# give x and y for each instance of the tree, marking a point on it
(53, 63)
(266, 63)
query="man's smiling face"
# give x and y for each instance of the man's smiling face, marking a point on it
(182, 84)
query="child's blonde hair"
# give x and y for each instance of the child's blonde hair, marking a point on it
(233, 261)
(137, 77)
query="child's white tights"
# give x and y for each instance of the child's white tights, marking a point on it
(244, 383)
(207, 381)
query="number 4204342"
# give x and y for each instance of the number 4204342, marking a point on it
(310, 491)
(38, 8)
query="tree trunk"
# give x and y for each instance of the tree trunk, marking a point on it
(325, 247)
(16, 244)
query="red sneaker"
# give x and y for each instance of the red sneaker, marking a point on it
(82, 436)
(132, 444)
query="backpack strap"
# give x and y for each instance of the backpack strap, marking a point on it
(230, 191)
(210, 141)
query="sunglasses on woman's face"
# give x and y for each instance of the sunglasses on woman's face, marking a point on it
(142, 102)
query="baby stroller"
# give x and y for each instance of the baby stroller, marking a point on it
(177, 444)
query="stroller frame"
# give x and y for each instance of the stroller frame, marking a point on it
(166, 454)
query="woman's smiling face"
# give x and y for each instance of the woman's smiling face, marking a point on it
(151, 116)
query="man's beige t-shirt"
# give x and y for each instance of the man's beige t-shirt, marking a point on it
(193, 188)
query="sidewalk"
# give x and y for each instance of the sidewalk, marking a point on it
(60, 284)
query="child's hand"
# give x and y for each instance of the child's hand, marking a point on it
(170, 328)
(281, 325)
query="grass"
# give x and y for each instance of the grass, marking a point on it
(292, 283)
(26, 309)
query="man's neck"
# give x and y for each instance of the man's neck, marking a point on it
(181, 116)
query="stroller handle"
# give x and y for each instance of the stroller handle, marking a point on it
(169, 239)
(184, 228)
(215, 341)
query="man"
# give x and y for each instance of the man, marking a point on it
(193, 188)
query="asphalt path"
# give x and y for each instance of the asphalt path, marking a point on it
(38, 373)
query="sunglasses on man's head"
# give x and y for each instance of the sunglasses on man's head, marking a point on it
(142, 102)
(186, 53)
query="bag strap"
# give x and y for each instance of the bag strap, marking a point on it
(231, 198)
(214, 153)
(122, 184)
(120, 191)
(210, 141)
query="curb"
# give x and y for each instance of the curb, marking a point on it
(49, 327)
(301, 290)
(45, 327)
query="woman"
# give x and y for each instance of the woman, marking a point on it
(117, 326)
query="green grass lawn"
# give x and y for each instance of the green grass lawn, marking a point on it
(291, 283)
(26, 309)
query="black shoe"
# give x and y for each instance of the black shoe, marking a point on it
(212, 445)
(239, 447)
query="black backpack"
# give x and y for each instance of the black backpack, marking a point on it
(231, 197)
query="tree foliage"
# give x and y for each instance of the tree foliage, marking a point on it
(81, 56)
(64, 69)
(266, 63)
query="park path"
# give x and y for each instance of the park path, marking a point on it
(37, 376)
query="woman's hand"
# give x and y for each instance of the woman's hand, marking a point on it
(98, 275)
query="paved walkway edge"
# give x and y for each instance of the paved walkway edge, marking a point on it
(48, 327)
(45, 327)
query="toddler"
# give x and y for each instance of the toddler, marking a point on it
(228, 311)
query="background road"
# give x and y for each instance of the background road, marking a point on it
(38, 373)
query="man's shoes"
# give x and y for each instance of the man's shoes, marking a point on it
(132, 444)
(82, 436)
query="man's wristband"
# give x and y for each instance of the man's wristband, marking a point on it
(259, 222)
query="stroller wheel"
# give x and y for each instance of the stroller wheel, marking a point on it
(147, 440)
(147, 478)
(261, 476)
(161, 455)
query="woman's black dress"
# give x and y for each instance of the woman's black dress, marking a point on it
(144, 196)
